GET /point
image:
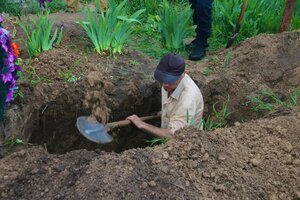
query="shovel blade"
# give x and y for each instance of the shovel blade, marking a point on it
(93, 130)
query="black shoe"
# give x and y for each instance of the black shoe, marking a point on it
(191, 45)
(197, 54)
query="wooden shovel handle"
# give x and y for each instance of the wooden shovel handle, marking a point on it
(127, 122)
(238, 25)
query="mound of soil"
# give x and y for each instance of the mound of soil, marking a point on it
(255, 160)
(258, 159)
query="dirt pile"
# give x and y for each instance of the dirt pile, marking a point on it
(266, 62)
(256, 160)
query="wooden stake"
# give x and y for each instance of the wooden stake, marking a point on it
(287, 15)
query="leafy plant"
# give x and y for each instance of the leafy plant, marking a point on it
(220, 116)
(174, 24)
(209, 123)
(266, 100)
(295, 97)
(208, 71)
(11, 141)
(18, 93)
(57, 5)
(69, 76)
(38, 34)
(12, 8)
(156, 141)
(227, 58)
(260, 17)
(109, 31)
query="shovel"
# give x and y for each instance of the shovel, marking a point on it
(238, 25)
(96, 132)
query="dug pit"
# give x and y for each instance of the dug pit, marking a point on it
(54, 127)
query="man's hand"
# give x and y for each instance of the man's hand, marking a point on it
(158, 132)
(136, 121)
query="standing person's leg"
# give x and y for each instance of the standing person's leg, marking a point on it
(193, 4)
(202, 19)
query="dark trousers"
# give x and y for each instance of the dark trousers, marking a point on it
(202, 18)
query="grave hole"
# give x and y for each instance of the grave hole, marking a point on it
(53, 126)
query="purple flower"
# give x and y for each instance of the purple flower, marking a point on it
(12, 84)
(4, 47)
(9, 96)
(10, 57)
(19, 68)
(8, 73)
(1, 20)
(42, 3)
(6, 77)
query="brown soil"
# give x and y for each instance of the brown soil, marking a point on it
(255, 158)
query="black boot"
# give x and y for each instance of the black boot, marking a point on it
(191, 45)
(197, 53)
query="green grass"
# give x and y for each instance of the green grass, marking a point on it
(156, 141)
(219, 117)
(17, 9)
(260, 17)
(294, 98)
(268, 102)
(12, 141)
(69, 75)
(10, 8)
(31, 76)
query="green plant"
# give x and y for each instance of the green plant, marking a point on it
(38, 34)
(223, 114)
(109, 31)
(262, 16)
(10, 8)
(174, 24)
(31, 76)
(208, 123)
(295, 97)
(227, 58)
(220, 116)
(69, 76)
(151, 6)
(57, 5)
(156, 141)
(18, 93)
(266, 100)
(12, 140)
(208, 71)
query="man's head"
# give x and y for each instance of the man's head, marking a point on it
(169, 70)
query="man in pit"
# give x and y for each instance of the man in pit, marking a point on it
(182, 101)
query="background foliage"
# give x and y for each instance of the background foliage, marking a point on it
(262, 16)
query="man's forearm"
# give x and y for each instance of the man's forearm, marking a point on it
(159, 132)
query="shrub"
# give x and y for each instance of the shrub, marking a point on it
(109, 31)
(38, 34)
(174, 24)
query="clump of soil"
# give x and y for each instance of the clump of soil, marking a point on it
(258, 159)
